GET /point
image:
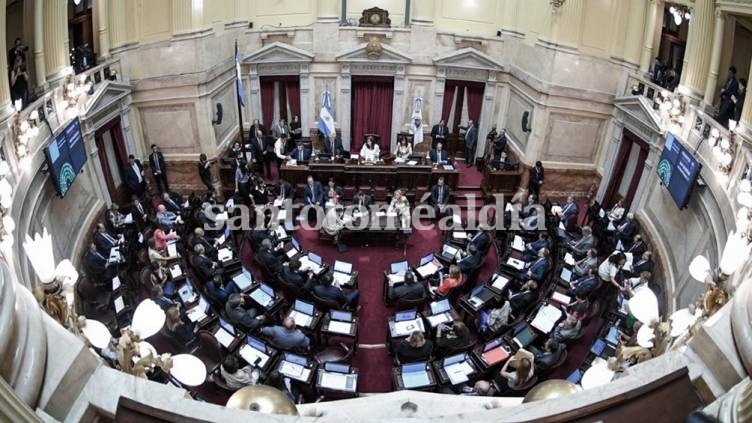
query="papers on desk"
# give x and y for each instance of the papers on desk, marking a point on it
(306, 264)
(172, 250)
(339, 381)
(407, 327)
(438, 319)
(115, 283)
(252, 355)
(128, 219)
(546, 318)
(458, 372)
(196, 314)
(176, 271)
(568, 259)
(459, 235)
(517, 264)
(448, 167)
(354, 156)
(280, 232)
(114, 255)
(224, 255)
(500, 282)
(224, 337)
(395, 279)
(221, 240)
(412, 162)
(561, 298)
(221, 217)
(294, 371)
(300, 319)
(427, 269)
(243, 281)
(119, 304)
(292, 162)
(340, 327)
(341, 279)
(518, 244)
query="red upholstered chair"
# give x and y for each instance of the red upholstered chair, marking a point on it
(209, 351)
(339, 353)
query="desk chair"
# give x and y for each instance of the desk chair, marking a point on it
(220, 382)
(457, 350)
(325, 304)
(208, 350)
(406, 304)
(339, 353)
(290, 290)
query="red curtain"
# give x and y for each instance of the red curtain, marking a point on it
(105, 165)
(267, 101)
(636, 177)
(449, 87)
(619, 164)
(293, 97)
(372, 99)
(474, 100)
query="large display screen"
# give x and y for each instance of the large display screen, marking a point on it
(66, 156)
(678, 170)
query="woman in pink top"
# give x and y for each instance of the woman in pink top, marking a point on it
(161, 238)
(450, 281)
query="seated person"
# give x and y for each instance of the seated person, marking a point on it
(269, 257)
(97, 266)
(451, 281)
(159, 276)
(644, 264)
(237, 377)
(237, 314)
(328, 291)
(471, 261)
(632, 285)
(439, 195)
(438, 155)
(533, 222)
(549, 356)
(292, 275)
(333, 225)
(626, 229)
(453, 337)
(210, 245)
(219, 290)
(301, 154)
(167, 218)
(334, 193)
(162, 234)
(362, 200)
(105, 241)
(411, 289)
(404, 149)
(481, 240)
(581, 246)
(581, 266)
(616, 213)
(637, 247)
(287, 336)
(569, 209)
(285, 191)
(501, 162)
(494, 319)
(370, 151)
(158, 296)
(414, 348)
(115, 218)
(568, 329)
(206, 266)
(176, 328)
(538, 269)
(585, 285)
(523, 363)
(170, 204)
(527, 207)
(314, 193)
(154, 254)
(532, 248)
(527, 296)
(482, 388)
(333, 147)
(401, 207)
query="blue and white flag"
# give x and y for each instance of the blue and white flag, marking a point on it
(238, 78)
(326, 120)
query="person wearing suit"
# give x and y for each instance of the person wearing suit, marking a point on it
(293, 276)
(158, 168)
(362, 201)
(520, 301)
(500, 144)
(439, 134)
(473, 259)
(729, 90)
(296, 132)
(301, 154)
(637, 247)
(256, 128)
(538, 269)
(219, 290)
(210, 245)
(481, 240)
(204, 172)
(439, 195)
(438, 155)
(333, 147)
(237, 314)
(95, 264)
(314, 192)
(105, 241)
(644, 264)
(328, 291)
(585, 285)
(535, 179)
(569, 209)
(626, 229)
(582, 266)
(269, 258)
(139, 212)
(280, 128)
(287, 336)
(334, 193)
(285, 191)
(549, 356)
(580, 247)
(471, 142)
(206, 267)
(409, 290)
(532, 248)
(158, 296)
(170, 204)
(134, 176)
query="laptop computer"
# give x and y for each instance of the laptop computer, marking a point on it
(449, 252)
(399, 267)
(186, 293)
(254, 352)
(499, 282)
(454, 359)
(479, 296)
(341, 316)
(200, 311)
(439, 307)
(340, 322)
(263, 295)
(297, 359)
(403, 316)
(575, 377)
(612, 337)
(342, 273)
(293, 248)
(426, 259)
(312, 261)
(243, 281)
(225, 333)
(337, 367)
(302, 313)
(525, 336)
(414, 375)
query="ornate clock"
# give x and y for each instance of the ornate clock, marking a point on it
(375, 17)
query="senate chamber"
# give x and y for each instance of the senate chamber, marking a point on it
(354, 210)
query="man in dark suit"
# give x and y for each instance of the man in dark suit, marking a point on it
(269, 258)
(584, 286)
(729, 90)
(532, 248)
(409, 290)
(471, 142)
(439, 134)
(626, 229)
(523, 299)
(301, 154)
(170, 204)
(158, 168)
(547, 358)
(471, 261)
(134, 176)
(328, 291)
(95, 264)
(439, 195)
(438, 155)
(637, 247)
(255, 128)
(481, 240)
(644, 264)
(285, 191)
(105, 241)
(535, 179)
(206, 267)
(139, 213)
(500, 143)
(210, 245)
(538, 269)
(237, 314)
(333, 147)
(569, 209)
(293, 276)
(314, 192)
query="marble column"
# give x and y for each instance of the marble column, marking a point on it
(306, 117)
(102, 29)
(746, 118)
(56, 55)
(117, 15)
(697, 59)
(645, 178)
(187, 16)
(398, 105)
(438, 96)
(40, 72)
(4, 87)
(647, 49)
(344, 103)
(617, 132)
(254, 111)
(423, 12)
(486, 113)
(715, 59)
(327, 10)
(565, 25)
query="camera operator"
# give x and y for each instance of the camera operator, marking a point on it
(18, 50)
(19, 82)
(204, 171)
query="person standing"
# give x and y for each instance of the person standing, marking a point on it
(19, 82)
(536, 179)
(438, 134)
(134, 176)
(158, 169)
(730, 88)
(471, 142)
(204, 171)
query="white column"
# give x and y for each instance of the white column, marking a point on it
(397, 106)
(328, 10)
(102, 29)
(39, 69)
(423, 12)
(486, 113)
(56, 55)
(617, 132)
(715, 59)
(697, 60)
(343, 105)
(4, 86)
(255, 98)
(306, 117)
(647, 49)
(438, 98)
(647, 175)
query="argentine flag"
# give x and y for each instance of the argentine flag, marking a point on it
(238, 79)
(326, 120)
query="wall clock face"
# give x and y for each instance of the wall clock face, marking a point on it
(375, 19)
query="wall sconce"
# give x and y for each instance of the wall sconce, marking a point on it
(723, 149)
(672, 110)
(25, 130)
(75, 93)
(680, 14)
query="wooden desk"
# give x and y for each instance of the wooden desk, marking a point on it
(438, 367)
(399, 385)
(378, 228)
(350, 381)
(352, 334)
(500, 182)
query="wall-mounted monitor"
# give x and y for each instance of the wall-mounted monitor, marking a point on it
(66, 156)
(678, 170)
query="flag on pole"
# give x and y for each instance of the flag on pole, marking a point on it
(326, 120)
(238, 79)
